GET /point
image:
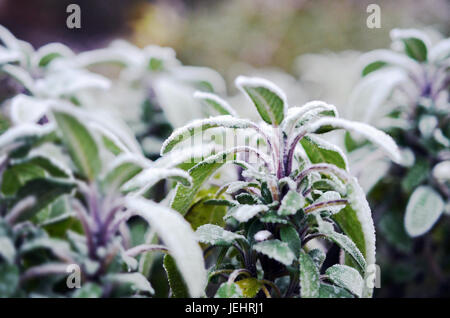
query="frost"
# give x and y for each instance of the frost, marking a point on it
(262, 235)
(245, 212)
(374, 135)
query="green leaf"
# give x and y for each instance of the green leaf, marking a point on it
(249, 286)
(215, 235)
(291, 203)
(289, 235)
(9, 280)
(330, 291)
(373, 67)
(268, 99)
(82, 146)
(319, 151)
(346, 277)
(415, 49)
(45, 191)
(176, 281)
(46, 59)
(276, 250)
(355, 220)
(200, 173)
(229, 290)
(201, 213)
(424, 208)
(309, 277)
(121, 173)
(19, 174)
(344, 242)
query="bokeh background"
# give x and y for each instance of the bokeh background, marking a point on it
(308, 47)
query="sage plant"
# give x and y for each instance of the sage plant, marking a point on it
(413, 107)
(294, 199)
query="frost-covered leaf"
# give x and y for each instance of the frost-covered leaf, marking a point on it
(268, 99)
(23, 135)
(346, 277)
(319, 150)
(309, 277)
(374, 135)
(82, 146)
(200, 173)
(179, 238)
(344, 242)
(136, 281)
(215, 102)
(69, 81)
(145, 179)
(27, 109)
(298, 116)
(356, 222)
(199, 126)
(276, 250)
(21, 75)
(47, 53)
(176, 282)
(424, 208)
(215, 235)
(331, 291)
(291, 203)
(415, 43)
(440, 52)
(441, 171)
(245, 212)
(229, 290)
